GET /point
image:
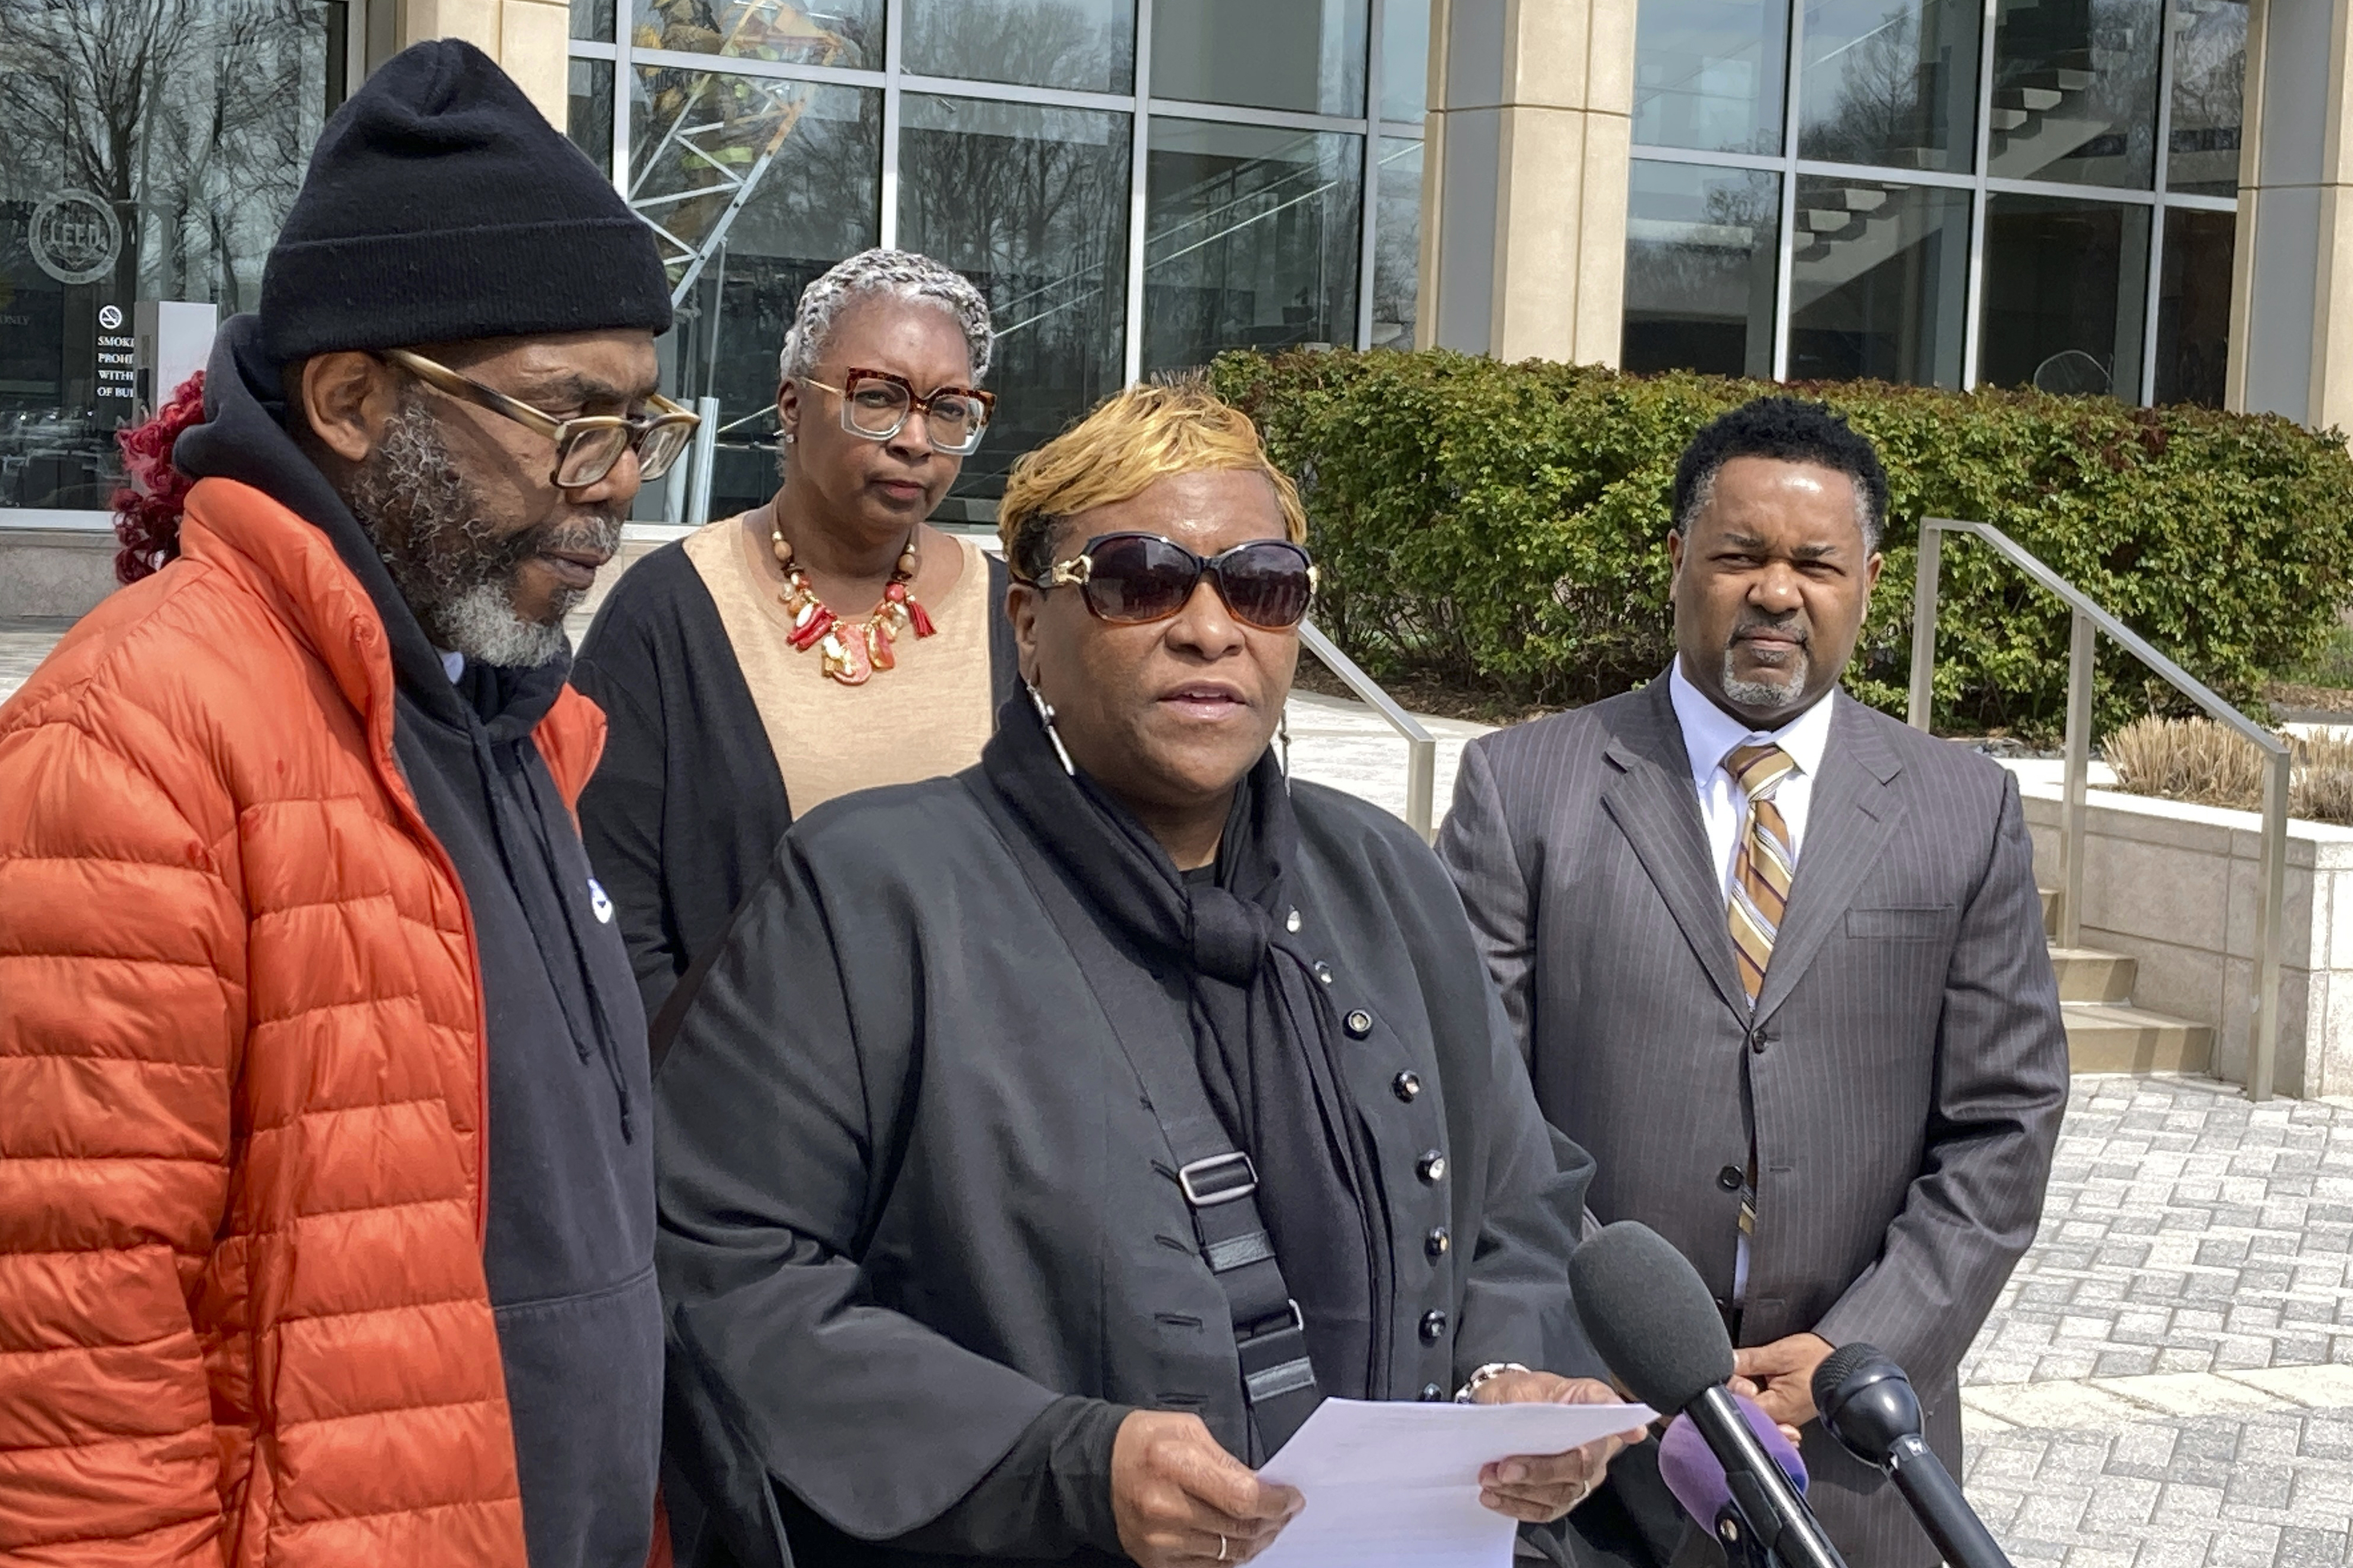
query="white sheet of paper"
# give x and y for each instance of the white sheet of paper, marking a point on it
(1398, 1481)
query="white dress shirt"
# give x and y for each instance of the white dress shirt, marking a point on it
(1711, 735)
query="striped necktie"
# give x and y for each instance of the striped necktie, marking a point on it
(1762, 870)
(1761, 873)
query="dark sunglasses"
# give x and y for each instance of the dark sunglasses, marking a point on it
(1130, 579)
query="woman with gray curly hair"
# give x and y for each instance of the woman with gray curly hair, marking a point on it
(827, 641)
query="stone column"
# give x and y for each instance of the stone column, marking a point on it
(527, 37)
(1524, 253)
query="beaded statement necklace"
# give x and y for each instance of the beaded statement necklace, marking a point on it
(851, 650)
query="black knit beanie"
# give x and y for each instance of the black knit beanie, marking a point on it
(441, 206)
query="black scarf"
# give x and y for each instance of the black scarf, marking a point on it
(1266, 1037)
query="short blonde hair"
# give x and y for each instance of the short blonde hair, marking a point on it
(1133, 438)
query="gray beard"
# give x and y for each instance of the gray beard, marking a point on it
(1767, 694)
(454, 572)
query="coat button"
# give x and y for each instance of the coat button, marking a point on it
(1406, 1085)
(1431, 1394)
(1436, 1242)
(1291, 922)
(1759, 1041)
(1729, 1178)
(1324, 972)
(1433, 1324)
(1431, 1167)
(1359, 1024)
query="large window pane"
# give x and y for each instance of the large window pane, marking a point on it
(1893, 84)
(2066, 286)
(588, 118)
(1701, 251)
(824, 33)
(1253, 240)
(1879, 282)
(2210, 75)
(2074, 92)
(1708, 74)
(1405, 59)
(2193, 307)
(1087, 45)
(1307, 54)
(1397, 245)
(1032, 204)
(813, 199)
(149, 149)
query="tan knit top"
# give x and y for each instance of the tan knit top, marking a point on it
(928, 715)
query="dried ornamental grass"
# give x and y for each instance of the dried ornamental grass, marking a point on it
(2201, 761)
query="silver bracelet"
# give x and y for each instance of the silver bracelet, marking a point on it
(1485, 1375)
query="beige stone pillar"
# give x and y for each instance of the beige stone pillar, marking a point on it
(527, 37)
(1524, 252)
(2292, 285)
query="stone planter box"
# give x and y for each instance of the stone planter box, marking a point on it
(2175, 888)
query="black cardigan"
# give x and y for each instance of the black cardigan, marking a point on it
(684, 813)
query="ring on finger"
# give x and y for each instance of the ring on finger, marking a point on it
(1222, 1549)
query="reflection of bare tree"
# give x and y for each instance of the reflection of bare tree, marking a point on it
(2209, 73)
(1049, 43)
(1032, 204)
(1881, 79)
(191, 118)
(1397, 245)
(1713, 269)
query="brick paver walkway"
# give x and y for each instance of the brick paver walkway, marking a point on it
(2167, 1382)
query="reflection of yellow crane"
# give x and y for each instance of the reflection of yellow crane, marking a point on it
(722, 128)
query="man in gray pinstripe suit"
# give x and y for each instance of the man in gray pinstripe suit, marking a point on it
(1778, 962)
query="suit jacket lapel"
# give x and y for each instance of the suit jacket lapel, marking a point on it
(1656, 807)
(1848, 823)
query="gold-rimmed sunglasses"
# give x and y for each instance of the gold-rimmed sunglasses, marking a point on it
(876, 404)
(587, 446)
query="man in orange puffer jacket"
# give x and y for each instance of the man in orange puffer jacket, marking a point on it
(326, 1205)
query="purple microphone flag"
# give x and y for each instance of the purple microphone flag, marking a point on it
(1691, 1471)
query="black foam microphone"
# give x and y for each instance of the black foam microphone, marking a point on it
(1649, 1315)
(1868, 1404)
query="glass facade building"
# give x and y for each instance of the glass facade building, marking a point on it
(149, 149)
(1889, 188)
(1135, 184)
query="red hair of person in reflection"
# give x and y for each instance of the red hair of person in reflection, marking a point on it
(147, 509)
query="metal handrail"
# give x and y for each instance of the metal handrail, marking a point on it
(1421, 746)
(2263, 1020)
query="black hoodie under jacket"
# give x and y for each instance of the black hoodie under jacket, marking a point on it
(569, 1248)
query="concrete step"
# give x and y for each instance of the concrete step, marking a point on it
(2034, 99)
(2103, 1036)
(2089, 975)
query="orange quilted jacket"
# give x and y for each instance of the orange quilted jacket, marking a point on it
(242, 1310)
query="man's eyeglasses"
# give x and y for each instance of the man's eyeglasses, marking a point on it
(1130, 579)
(875, 404)
(587, 447)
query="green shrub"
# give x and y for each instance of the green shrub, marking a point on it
(1504, 525)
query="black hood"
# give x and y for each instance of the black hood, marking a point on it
(244, 439)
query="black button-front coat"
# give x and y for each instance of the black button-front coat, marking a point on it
(912, 1193)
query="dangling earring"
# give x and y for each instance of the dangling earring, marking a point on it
(1283, 739)
(1046, 717)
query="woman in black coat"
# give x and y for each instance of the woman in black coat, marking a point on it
(1045, 1142)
